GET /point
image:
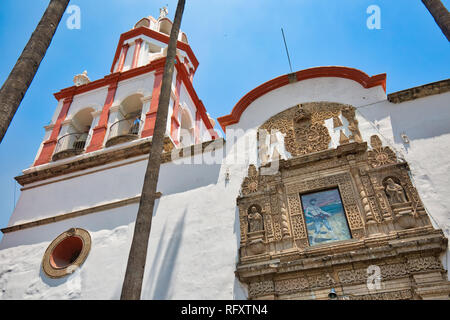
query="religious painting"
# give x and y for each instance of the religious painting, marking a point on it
(325, 217)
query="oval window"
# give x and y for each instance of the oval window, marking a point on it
(67, 252)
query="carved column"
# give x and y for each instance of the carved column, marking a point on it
(382, 200)
(300, 234)
(369, 217)
(284, 213)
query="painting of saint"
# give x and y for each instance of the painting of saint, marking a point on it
(325, 217)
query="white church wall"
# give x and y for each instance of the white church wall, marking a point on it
(196, 252)
(195, 218)
(88, 190)
(193, 248)
(186, 99)
(21, 275)
(142, 84)
(312, 90)
(92, 99)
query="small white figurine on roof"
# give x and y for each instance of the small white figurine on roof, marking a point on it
(81, 79)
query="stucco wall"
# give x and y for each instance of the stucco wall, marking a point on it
(194, 219)
(195, 232)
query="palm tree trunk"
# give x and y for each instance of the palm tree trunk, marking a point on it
(15, 87)
(440, 15)
(132, 285)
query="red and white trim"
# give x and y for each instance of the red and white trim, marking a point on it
(137, 50)
(123, 57)
(99, 132)
(49, 145)
(340, 72)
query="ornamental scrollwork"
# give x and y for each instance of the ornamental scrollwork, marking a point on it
(304, 130)
(379, 155)
(282, 228)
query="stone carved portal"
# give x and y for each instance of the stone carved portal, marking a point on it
(394, 191)
(381, 206)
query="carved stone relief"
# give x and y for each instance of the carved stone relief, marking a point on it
(379, 155)
(349, 113)
(255, 221)
(284, 214)
(394, 191)
(392, 295)
(303, 126)
(251, 182)
(380, 204)
(261, 288)
(253, 225)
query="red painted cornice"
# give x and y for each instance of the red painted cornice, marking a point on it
(157, 36)
(319, 72)
(110, 79)
(155, 65)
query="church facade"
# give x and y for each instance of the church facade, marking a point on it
(324, 186)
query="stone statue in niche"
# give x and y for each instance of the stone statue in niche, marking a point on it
(395, 192)
(255, 221)
(255, 234)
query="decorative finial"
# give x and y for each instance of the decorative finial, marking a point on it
(163, 12)
(81, 79)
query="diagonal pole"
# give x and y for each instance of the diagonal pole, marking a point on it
(440, 15)
(21, 76)
(132, 285)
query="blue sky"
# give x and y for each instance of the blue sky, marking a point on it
(239, 46)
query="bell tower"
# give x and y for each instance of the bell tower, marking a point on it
(121, 107)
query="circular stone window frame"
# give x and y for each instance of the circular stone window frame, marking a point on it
(53, 272)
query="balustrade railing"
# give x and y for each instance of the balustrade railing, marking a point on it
(123, 130)
(70, 144)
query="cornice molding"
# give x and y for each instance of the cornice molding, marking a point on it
(420, 91)
(102, 157)
(319, 72)
(154, 35)
(110, 80)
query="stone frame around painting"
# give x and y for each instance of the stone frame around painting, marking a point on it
(343, 182)
(341, 203)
